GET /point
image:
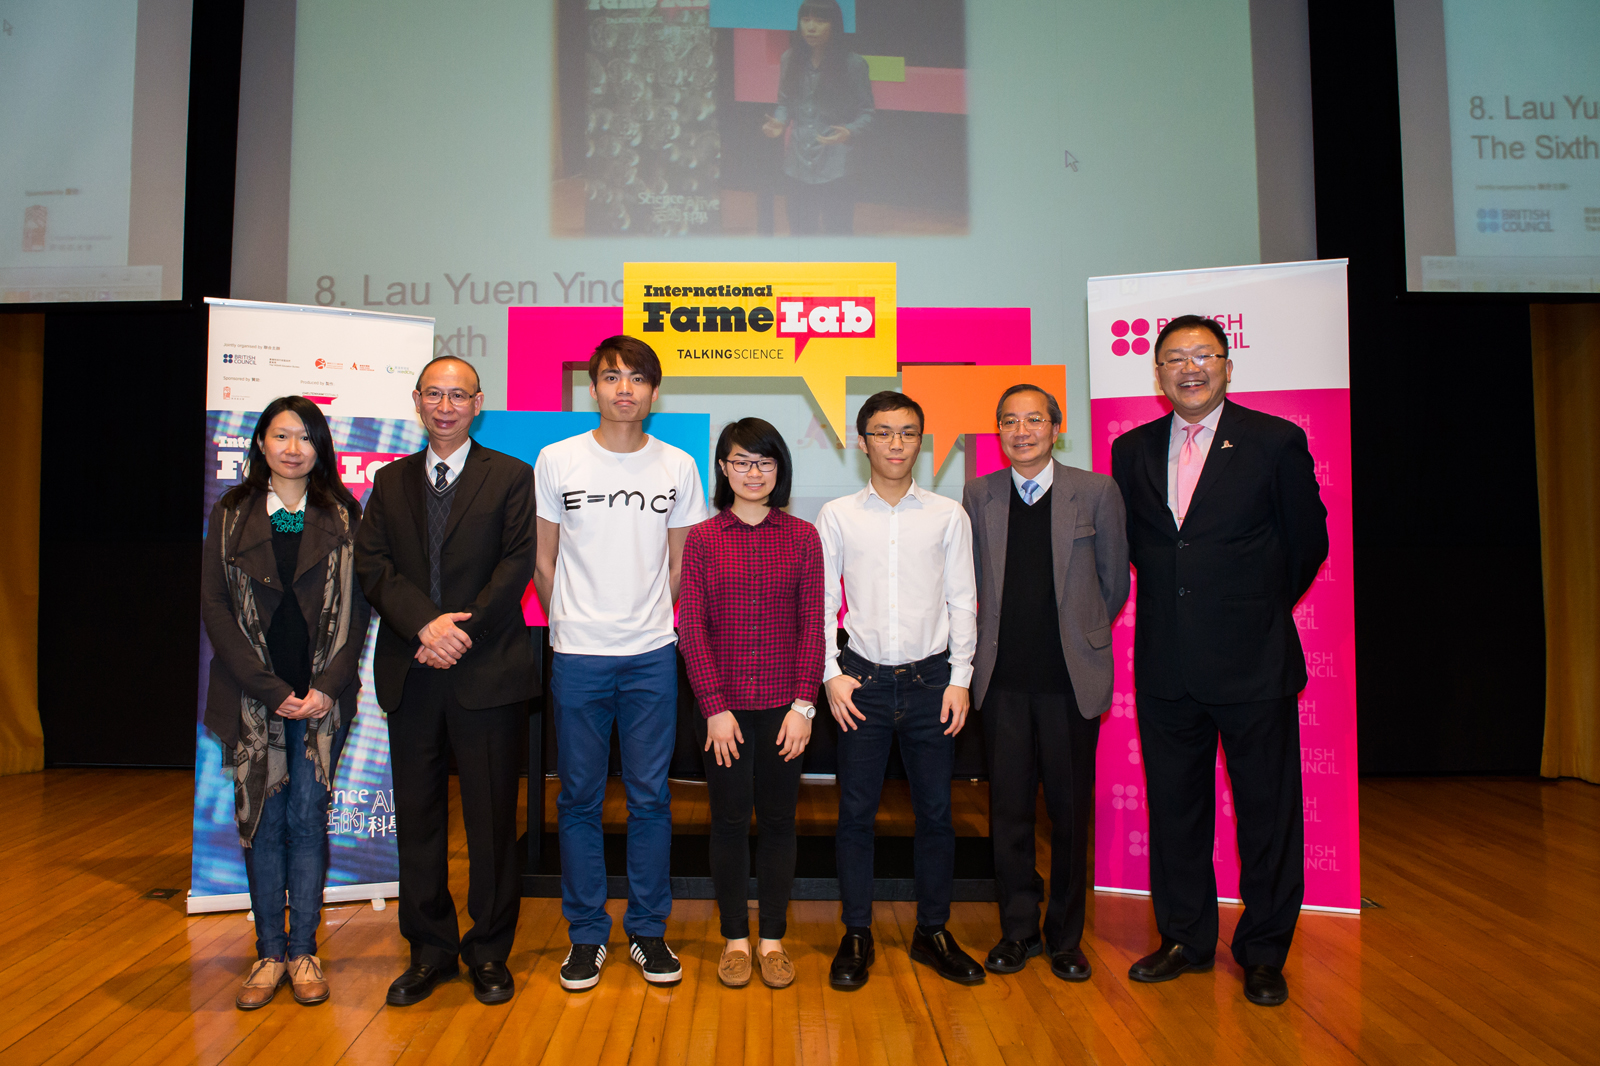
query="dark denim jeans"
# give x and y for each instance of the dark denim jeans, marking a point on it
(639, 694)
(901, 701)
(289, 855)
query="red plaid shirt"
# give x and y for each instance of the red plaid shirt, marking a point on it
(750, 612)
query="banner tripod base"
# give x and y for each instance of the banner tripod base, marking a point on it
(815, 875)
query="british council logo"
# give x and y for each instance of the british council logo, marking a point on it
(1139, 345)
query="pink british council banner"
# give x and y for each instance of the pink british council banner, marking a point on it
(1288, 334)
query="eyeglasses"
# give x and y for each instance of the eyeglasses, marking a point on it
(742, 466)
(1197, 361)
(459, 397)
(884, 436)
(1032, 421)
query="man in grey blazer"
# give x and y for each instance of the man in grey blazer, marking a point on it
(1050, 549)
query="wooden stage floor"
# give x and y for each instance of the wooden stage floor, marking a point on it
(1489, 893)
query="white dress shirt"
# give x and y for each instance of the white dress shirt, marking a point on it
(1202, 442)
(908, 580)
(274, 504)
(1044, 479)
(455, 464)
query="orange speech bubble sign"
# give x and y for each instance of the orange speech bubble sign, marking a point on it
(962, 399)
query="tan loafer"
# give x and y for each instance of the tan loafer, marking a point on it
(305, 977)
(262, 984)
(776, 969)
(734, 969)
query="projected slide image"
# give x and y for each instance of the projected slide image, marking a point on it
(64, 202)
(760, 117)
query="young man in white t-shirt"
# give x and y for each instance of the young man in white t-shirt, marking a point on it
(614, 507)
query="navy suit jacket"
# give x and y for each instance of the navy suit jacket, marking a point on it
(1216, 600)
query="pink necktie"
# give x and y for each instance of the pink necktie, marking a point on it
(1189, 463)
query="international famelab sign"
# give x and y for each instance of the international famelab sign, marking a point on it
(814, 321)
(1288, 336)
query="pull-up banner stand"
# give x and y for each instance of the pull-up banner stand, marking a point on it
(1288, 335)
(359, 367)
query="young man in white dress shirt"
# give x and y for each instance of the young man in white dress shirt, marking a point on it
(904, 556)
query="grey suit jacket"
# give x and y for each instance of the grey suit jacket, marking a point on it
(1089, 547)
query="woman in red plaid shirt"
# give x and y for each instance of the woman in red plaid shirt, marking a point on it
(750, 626)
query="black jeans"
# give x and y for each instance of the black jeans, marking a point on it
(1030, 739)
(1178, 740)
(759, 779)
(901, 701)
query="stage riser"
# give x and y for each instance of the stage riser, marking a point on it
(816, 874)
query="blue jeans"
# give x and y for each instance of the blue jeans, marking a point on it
(901, 701)
(289, 855)
(639, 693)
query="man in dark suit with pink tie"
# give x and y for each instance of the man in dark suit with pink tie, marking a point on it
(1226, 529)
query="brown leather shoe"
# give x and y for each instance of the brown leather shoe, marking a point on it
(262, 984)
(776, 969)
(305, 976)
(734, 969)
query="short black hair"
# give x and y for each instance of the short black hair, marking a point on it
(631, 352)
(887, 400)
(1191, 322)
(758, 437)
(1050, 404)
(477, 384)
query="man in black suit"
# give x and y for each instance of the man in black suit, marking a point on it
(1227, 529)
(1049, 545)
(445, 555)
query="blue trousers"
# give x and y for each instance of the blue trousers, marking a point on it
(289, 855)
(639, 694)
(901, 701)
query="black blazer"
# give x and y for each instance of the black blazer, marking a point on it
(1215, 603)
(235, 667)
(485, 567)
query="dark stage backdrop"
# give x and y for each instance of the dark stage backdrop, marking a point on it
(124, 405)
(1449, 609)
(1449, 600)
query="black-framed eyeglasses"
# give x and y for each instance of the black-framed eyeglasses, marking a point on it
(742, 466)
(884, 436)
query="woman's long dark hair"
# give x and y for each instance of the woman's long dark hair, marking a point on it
(832, 82)
(325, 489)
(758, 437)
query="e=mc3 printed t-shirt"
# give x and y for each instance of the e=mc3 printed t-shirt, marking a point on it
(612, 594)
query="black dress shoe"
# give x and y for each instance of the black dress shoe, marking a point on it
(491, 982)
(1009, 956)
(855, 954)
(1165, 963)
(1070, 964)
(940, 951)
(1265, 985)
(416, 984)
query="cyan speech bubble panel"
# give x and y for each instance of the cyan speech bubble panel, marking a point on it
(524, 433)
(769, 15)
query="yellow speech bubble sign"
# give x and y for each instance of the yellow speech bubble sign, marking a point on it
(821, 322)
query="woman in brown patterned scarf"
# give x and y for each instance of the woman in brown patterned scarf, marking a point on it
(287, 620)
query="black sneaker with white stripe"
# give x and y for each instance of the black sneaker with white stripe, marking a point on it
(655, 959)
(582, 968)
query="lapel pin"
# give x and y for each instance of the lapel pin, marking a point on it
(1227, 444)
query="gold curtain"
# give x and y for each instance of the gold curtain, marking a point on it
(1566, 416)
(22, 360)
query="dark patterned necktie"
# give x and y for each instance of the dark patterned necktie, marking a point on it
(441, 482)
